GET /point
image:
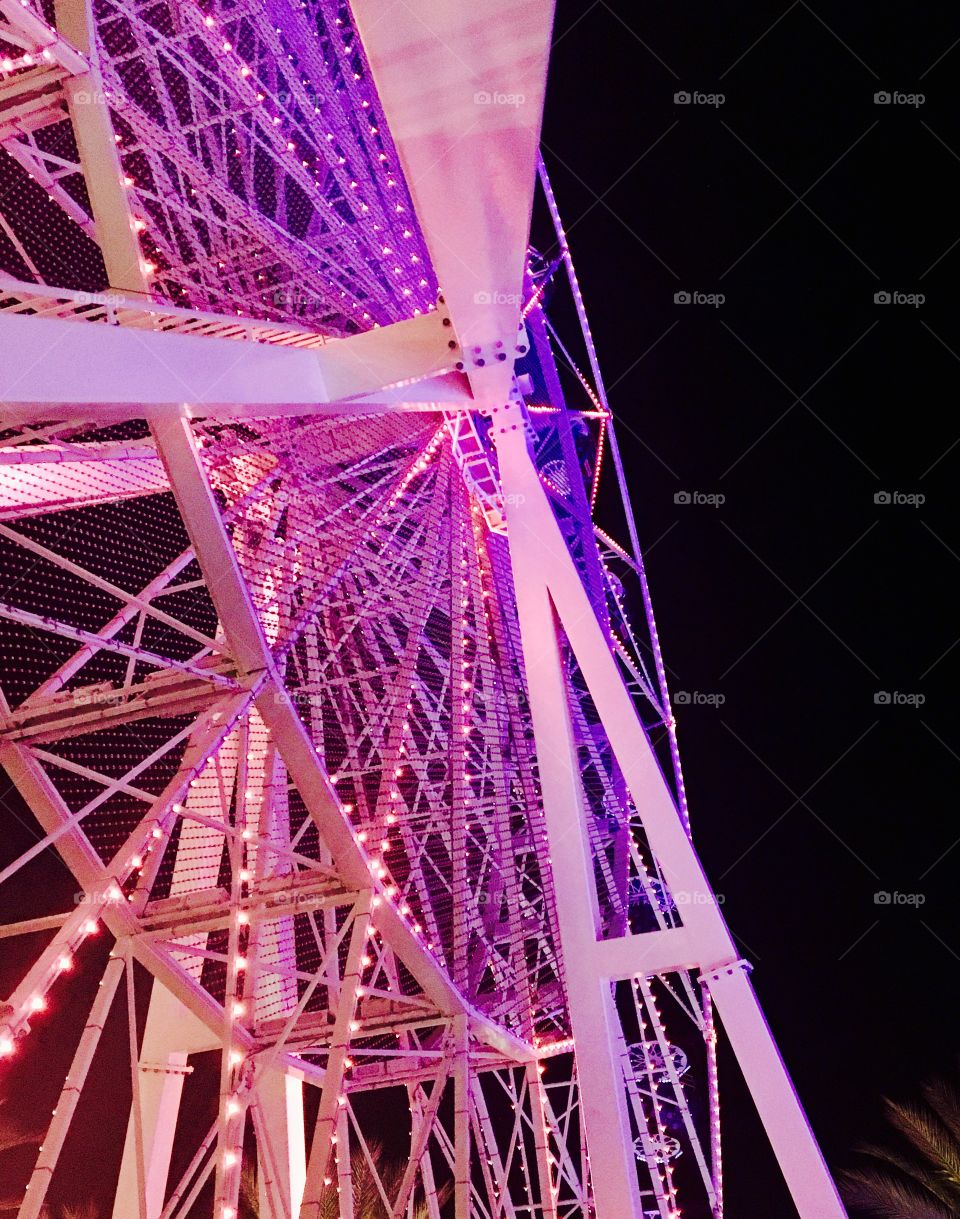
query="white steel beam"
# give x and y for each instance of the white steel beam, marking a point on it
(172, 1031)
(593, 1015)
(549, 589)
(50, 478)
(331, 1098)
(93, 129)
(462, 86)
(75, 366)
(461, 1119)
(281, 1146)
(468, 143)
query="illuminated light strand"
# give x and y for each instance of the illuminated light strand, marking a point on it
(621, 480)
(381, 159)
(245, 72)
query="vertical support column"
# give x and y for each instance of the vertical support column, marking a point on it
(494, 1170)
(283, 1170)
(418, 1115)
(141, 1165)
(713, 1103)
(461, 1119)
(93, 129)
(171, 1032)
(596, 1026)
(344, 1165)
(459, 736)
(422, 1118)
(541, 1135)
(344, 1026)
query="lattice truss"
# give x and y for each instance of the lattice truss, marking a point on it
(381, 592)
(264, 674)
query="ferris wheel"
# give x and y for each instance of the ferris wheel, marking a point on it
(348, 864)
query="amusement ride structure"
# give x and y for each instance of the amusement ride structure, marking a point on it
(317, 673)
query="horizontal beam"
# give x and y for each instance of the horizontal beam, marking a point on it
(646, 954)
(33, 480)
(109, 372)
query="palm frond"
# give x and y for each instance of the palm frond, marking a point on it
(80, 1210)
(944, 1100)
(918, 1170)
(13, 1133)
(924, 1130)
(884, 1195)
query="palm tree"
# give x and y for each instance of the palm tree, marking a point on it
(12, 1136)
(79, 1210)
(919, 1178)
(367, 1203)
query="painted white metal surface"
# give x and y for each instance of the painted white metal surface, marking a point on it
(462, 86)
(74, 365)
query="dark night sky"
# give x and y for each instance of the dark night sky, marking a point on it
(798, 400)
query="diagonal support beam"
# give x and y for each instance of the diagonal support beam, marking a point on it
(33, 1202)
(419, 1141)
(550, 594)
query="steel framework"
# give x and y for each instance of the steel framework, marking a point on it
(317, 673)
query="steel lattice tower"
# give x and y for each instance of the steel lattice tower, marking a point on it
(317, 673)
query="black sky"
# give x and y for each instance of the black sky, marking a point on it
(798, 399)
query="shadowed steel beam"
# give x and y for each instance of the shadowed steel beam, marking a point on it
(462, 86)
